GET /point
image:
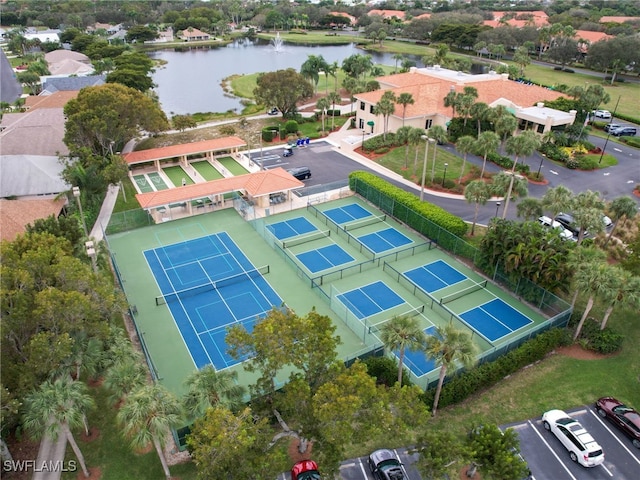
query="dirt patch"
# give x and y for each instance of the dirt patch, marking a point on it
(294, 452)
(465, 476)
(94, 433)
(21, 449)
(94, 474)
(576, 351)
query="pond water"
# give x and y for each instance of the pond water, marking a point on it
(190, 81)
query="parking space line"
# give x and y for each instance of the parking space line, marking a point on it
(401, 464)
(364, 472)
(552, 451)
(615, 436)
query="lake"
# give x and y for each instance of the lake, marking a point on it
(191, 79)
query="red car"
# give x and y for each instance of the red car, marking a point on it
(623, 417)
(305, 470)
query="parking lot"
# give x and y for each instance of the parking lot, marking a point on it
(549, 460)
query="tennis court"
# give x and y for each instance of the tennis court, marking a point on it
(143, 185)
(323, 258)
(417, 360)
(291, 228)
(384, 240)
(370, 299)
(347, 213)
(435, 276)
(495, 319)
(209, 284)
(157, 181)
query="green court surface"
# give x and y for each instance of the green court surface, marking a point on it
(234, 167)
(143, 185)
(207, 170)
(157, 181)
(302, 290)
(177, 175)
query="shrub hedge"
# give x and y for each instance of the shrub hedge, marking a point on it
(464, 384)
(601, 341)
(385, 371)
(405, 200)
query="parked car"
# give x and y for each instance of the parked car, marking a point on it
(602, 114)
(288, 151)
(612, 126)
(623, 417)
(581, 446)
(607, 221)
(568, 222)
(273, 111)
(305, 470)
(301, 173)
(549, 223)
(384, 465)
(624, 132)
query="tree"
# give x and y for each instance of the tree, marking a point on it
(398, 57)
(479, 111)
(105, 118)
(124, 376)
(182, 122)
(357, 65)
(131, 78)
(283, 89)
(486, 143)
(588, 209)
(311, 69)
(614, 54)
(477, 192)
(590, 279)
(352, 87)
(622, 288)
(529, 209)
(385, 107)
(521, 57)
(508, 185)
(439, 134)
(621, 208)
(208, 388)
(497, 453)
(333, 98)
(451, 100)
(57, 407)
(141, 33)
(323, 104)
(147, 416)
(523, 145)
(31, 80)
(557, 199)
(405, 99)
(505, 125)
(448, 346)
(401, 333)
(441, 453)
(465, 145)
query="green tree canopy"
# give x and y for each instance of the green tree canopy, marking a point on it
(282, 89)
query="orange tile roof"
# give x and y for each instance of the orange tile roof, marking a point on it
(614, 19)
(15, 215)
(255, 184)
(215, 145)
(592, 37)
(538, 19)
(55, 100)
(344, 14)
(388, 13)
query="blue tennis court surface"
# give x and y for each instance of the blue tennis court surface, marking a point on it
(186, 273)
(323, 258)
(417, 360)
(370, 299)
(434, 276)
(291, 228)
(384, 240)
(347, 213)
(495, 319)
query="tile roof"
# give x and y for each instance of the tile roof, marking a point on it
(55, 100)
(538, 19)
(592, 37)
(61, 54)
(388, 13)
(614, 19)
(255, 184)
(36, 132)
(15, 215)
(216, 144)
(54, 84)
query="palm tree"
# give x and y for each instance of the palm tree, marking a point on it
(578, 258)
(477, 192)
(504, 182)
(401, 333)
(123, 377)
(385, 107)
(415, 138)
(451, 100)
(439, 134)
(523, 145)
(486, 143)
(402, 137)
(148, 415)
(56, 407)
(86, 356)
(529, 209)
(623, 288)
(479, 111)
(621, 207)
(557, 199)
(398, 57)
(505, 125)
(333, 98)
(465, 145)
(405, 99)
(208, 388)
(448, 346)
(588, 209)
(322, 104)
(591, 279)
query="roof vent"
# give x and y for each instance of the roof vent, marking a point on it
(540, 105)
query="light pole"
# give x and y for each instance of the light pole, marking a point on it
(497, 208)
(433, 167)
(444, 175)
(427, 140)
(76, 193)
(363, 131)
(91, 251)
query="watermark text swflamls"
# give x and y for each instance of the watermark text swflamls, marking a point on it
(35, 466)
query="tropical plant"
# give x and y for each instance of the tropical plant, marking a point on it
(147, 416)
(588, 209)
(208, 388)
(125, 375)
(621, 288)
(405, 99)
(621, 208)
(529, 208)
(333, 98)
(385, 107)
(448, 346)
(323, 104)
(57, 407)
(486, 143)
(591, 279)
(402, 333)
(522, 145)
(439, 134)
(465, 145)
(557, 199)
(477, 192)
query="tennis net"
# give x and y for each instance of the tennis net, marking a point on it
(306, 238)
(363, 223)
(213, 285)
(461, 293)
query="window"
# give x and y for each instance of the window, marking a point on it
(428, 123)
(371, 108)
(361, 123)
(361, 105)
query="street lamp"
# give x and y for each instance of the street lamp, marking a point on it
(76, 193)
(363, 132)
(444, 175)
(91, 251)
(427, 140)
(497, 208)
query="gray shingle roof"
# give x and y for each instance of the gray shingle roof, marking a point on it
(31, 175)
(55, 84)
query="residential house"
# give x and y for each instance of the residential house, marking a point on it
(387, 14)
(614, 19)
(66, 63)
(15, 215)
(587, 37)
(194, 35)
(353, 20)
(65, 84)
(429, 86)
(10, 88)
(536, 18)
(44, 36)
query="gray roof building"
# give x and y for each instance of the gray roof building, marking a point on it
(10, 88)
(31, 176)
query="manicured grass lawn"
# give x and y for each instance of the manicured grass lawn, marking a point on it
(207, 170)
(129, 192)
(176, 174)
(233, 166)
(316, 38)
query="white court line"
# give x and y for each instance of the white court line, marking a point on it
(615, 436)
(551, 449)
(364, 473)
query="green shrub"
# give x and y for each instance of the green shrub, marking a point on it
(588, 145)
(464, 384)
(291, 126)
(267, 134)
(587, 163)
(602, 341)
(385, 371)
(227, 130)
(572, 164)
(382, 150)
(369, 185)
(632, 141)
